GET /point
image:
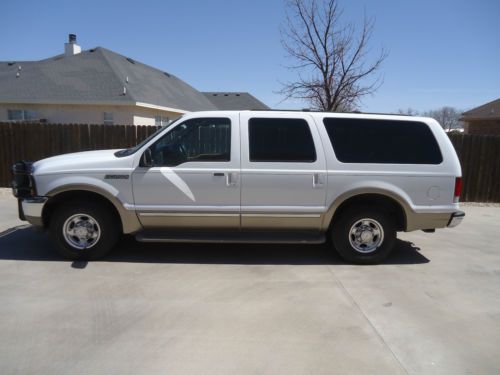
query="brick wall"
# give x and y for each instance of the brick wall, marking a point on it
(488, 127)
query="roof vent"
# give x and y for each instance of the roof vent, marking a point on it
(130, 60)
(11, 63)
(72, 38)
(237, 94)
(226, 94)
(168, 75)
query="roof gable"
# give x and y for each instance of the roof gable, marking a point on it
(486, 111)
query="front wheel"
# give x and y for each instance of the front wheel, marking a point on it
(364, 236)
(83, 230)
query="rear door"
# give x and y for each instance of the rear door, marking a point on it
(283, 172)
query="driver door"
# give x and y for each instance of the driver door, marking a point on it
(194, 178)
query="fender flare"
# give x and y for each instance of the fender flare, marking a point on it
(130, 222)
(330, 212)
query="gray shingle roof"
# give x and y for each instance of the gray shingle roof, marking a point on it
(96, 76)
(235, 100)
(486, 111)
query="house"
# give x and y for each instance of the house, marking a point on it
(98, 86)
(484, 119)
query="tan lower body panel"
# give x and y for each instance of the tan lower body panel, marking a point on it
(189, 220)
(280, 221)
(415, 221)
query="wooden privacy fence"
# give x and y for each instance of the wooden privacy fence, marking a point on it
(479, 154)
(34, 141)
(480, 159)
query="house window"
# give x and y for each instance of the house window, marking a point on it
(162, 121)
(108, 118)
(21, 115)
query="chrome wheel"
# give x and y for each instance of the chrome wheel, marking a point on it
(366, 235)
(81, 231)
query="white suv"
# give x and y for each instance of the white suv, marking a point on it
(252, 176)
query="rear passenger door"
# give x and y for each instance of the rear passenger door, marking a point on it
(283, 172)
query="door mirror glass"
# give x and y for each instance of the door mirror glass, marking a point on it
(147, 158)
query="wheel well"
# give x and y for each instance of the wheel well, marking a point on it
(73, 195)
(377, 201)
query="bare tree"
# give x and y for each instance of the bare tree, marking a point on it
(332, 61)
(409, 112)
(448, 117)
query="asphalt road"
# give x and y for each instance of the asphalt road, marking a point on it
(432, 308)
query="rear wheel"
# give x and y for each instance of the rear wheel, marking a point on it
(83, 230)
(364, 236)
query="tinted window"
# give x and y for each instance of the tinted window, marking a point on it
(203, 139)
(280, 140)
(382, 141)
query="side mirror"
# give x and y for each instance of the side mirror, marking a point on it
(147, 158)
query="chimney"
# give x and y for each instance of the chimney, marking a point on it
(71, 48)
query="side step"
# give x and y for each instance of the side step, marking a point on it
(236, 236)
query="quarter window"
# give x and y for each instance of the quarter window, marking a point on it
(280, 140)
(196, 140)
(382, 141)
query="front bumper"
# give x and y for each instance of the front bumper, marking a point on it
(30, 209)
(455, 219)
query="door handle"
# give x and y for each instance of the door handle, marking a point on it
(317, 180)
(218, 174)
(231, 179)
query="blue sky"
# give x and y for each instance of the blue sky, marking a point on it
(440, 52)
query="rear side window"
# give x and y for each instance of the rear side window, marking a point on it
(280, 140)
(382, 141)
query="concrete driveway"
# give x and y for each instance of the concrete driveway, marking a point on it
(432, 308)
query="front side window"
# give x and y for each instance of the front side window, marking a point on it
(280, 140)
(196, 140)
(21, 115)
(382, 141)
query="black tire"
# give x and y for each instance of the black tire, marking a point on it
(107, 224)
(341, 234)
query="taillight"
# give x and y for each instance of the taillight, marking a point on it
(458, 189)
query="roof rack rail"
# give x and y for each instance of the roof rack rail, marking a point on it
(322, 111)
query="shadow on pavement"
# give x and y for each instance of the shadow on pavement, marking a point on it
(29, 244)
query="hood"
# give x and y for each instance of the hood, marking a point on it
(87, 161)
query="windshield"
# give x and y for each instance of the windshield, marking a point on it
(133, 150)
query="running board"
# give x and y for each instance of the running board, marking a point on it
(235, 236)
